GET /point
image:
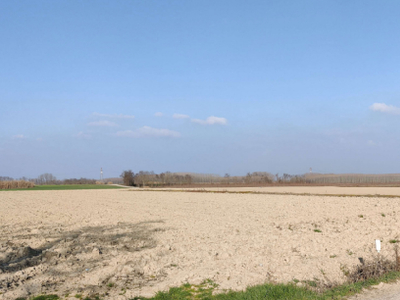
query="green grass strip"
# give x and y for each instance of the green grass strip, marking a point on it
(269, 291)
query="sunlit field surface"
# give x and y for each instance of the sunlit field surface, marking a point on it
(120, 244)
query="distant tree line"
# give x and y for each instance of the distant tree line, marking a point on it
(352, 179)
(50, 179)
(145, 178)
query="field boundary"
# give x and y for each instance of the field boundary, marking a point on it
(265, 193)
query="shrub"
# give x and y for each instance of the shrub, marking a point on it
(16, 184)
(374, 268)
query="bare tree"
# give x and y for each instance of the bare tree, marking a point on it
(46, 178)
(128, 178)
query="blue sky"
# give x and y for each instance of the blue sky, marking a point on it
(199, 86)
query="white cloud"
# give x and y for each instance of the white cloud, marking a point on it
(382, 107)
(180, 116)
(147, 131)
(211, 121)
(103, 123)
(371, 143)
(39, 139)
(120, 116)
(18, 137)
(158, 114)
(82, 135)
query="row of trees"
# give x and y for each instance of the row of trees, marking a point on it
(145, 178)
(352, 179)
(48, 178)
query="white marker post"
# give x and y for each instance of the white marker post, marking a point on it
(378, 245)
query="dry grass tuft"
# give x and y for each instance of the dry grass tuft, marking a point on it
(374, 268)
(16, 184)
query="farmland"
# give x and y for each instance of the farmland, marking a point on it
(127, 243)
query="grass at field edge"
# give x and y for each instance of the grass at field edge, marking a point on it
(269, 291)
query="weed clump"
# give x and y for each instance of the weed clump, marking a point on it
(374, 268)
(46, 297)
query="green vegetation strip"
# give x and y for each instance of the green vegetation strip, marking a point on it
(265, 193)
(68, 187)
(270, 291)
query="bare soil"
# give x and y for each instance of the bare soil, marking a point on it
(121, 244)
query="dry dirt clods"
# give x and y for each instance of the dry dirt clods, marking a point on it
(102, 241)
